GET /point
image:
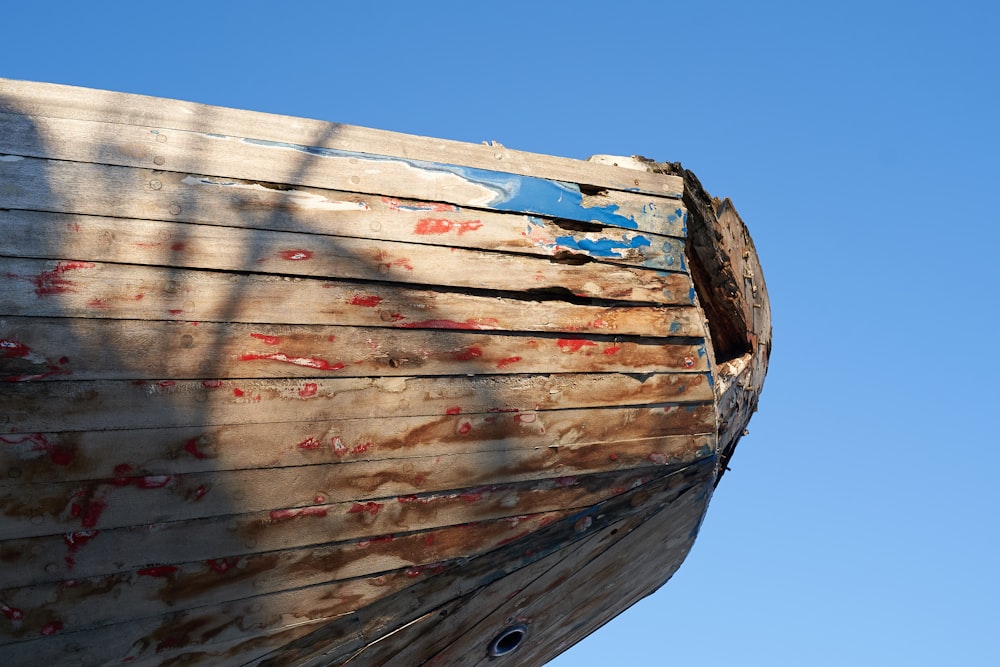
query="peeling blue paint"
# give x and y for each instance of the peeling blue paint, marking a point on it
(675, 327)
(603, 247)
(511, 192)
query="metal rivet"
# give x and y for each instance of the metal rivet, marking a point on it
(175, 209)
(162, 138)
(155, 184)
(158, 160)
(187, 341)
(355, 180)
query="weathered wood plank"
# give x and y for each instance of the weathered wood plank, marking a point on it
(351, 638)
(38, 99)
(43, 288)
(89, 552)
(123, 192)
(564, 603)
(31, 458)
(203, 628)
(169, 588)
(36, 348)
(160, 243)
(286, 163)
(115, 404)
(133, 501)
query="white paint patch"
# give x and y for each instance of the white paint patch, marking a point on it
(10, 158)
(303, 200)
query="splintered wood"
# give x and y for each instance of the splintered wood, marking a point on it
(275, 389)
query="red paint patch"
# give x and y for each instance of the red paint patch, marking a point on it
(98, 303)
(471, 496)
(453, 411)
(178, 247)
(191, 447)
(268, 340)
(612, 350)
(167, 383)
(13, 613)
(175, 311)
(199, 493)
(612, 457)
(309, 390)
(464, 428)
(89, 512)
(76, 540)
(211, 384)
(160, 571)
(52, 281)
(508, 361)
(308, 362)
(368, 301)
(153, 481)
(658, 458)
(50, 629)
(469, 353)
(365, 508)
(296, 255)
(573, 344)
(284, 515)
(58, 453)
(310, 443)
(14, 349)
(362, 448)
(238, 393)
(442, 226)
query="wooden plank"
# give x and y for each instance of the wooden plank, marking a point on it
(72, 288)
(31, 458)
(157, 639)
(286, 163)
(90, 552)
(123, 192)
(166, 589)
(160, 243)
(116, 404)
(52, 100)
(633, 560)
(37, 348)
(133, 501)
(507, 569)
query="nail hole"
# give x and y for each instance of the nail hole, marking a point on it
(508, 641)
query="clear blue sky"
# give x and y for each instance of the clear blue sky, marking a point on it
(858, 139)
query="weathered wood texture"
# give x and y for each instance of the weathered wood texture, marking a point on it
(288, 391)
(47, 100)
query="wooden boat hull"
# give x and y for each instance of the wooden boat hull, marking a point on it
(279, 391)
